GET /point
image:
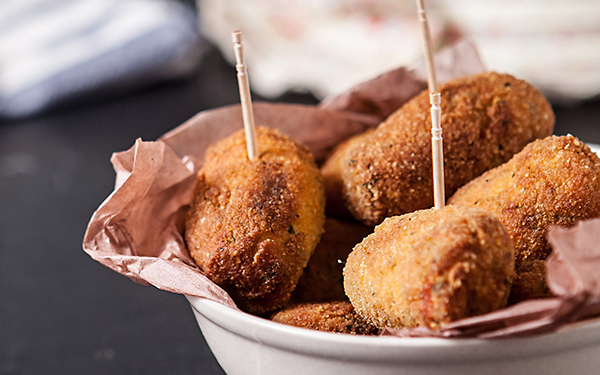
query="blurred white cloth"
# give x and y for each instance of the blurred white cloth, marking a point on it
(326, 46)
(53, 51)
(553, 44)
(321, 46)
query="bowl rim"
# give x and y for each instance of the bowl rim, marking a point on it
(394, 349)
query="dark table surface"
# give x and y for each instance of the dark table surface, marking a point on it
(60, 311)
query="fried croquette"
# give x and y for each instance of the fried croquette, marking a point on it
(554, 181)
(332, 175)
(337, 317)
(530, 282)
(486, 119)
(431, 267)
(322, 280)
(253, 225)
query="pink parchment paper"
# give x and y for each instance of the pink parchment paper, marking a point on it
(137, 230)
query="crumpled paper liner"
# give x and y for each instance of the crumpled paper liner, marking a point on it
(137, 230)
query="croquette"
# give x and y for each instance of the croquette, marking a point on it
(322, 280)
(553, 181)
(431, 267)
(336, 317)
(486, 119)
(332, 175)
(253, 225)
(530, 282)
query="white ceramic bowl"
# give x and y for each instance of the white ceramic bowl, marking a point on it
(246, 344)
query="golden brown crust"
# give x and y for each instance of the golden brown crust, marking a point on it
(530, 282)
(253, 225)
(554, 181)
(486, 119)
(322, 280)
(431, 267)
(332, 175)
(336, 317)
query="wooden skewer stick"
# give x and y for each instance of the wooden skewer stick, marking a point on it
(245, 98)
(437, 149)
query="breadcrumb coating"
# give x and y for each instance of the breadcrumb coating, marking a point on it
(332, 171)
(336, 317)
(322, 280)
(431, 267)
(486, 119)
(554, 181)
(253, 225)
(530, 282)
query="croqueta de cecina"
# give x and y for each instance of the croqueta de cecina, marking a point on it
(336, 317)
(253, 225)
(553, 181)
(322, 279)
(431, 267)
(332, 175)
(486, 119)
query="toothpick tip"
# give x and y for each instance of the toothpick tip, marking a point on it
(236, 36)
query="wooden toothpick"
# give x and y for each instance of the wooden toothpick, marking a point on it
(437, 149)
(245, 98)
